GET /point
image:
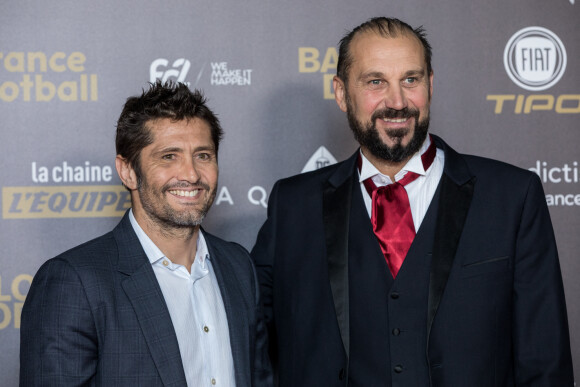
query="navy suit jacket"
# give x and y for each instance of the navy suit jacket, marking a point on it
(95, 315)
(494, 312)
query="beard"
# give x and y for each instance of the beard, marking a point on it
(160, 211)
(367, 134)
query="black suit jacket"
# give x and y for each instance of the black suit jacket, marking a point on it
(95, 315)
(495, 312)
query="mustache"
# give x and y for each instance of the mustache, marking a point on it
(393, 113)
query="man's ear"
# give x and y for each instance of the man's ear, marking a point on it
(126, 172)
(339, 92)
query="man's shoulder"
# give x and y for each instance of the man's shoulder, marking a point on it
(233, 252)
(104, 248)
(91, 252)
(314, 179)
(483, 167)
(216, 242)
(232, 257)
(89, 263)
(497, 169)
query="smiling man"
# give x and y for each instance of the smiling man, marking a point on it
(158, 301)
(409, 264)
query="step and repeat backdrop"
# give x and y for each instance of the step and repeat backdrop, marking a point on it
(507, 86)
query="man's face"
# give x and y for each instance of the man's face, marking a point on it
(179, 174)
(387, 97)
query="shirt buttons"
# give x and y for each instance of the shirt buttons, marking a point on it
(398, 368)
(165, 262)
(206, 329)
(213, 382)
(396, 332)
(395, 295)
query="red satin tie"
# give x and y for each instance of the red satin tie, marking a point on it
(391, 214)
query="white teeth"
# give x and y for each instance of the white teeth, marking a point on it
(185, 193)
(396, 120)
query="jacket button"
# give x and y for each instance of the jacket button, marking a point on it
(396, 332)
(394, 295)
(341, 374)
(398, 368)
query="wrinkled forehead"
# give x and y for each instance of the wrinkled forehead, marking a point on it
(400, 35)
(366, 44)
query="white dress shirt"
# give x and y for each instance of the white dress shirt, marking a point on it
(197, 313)
(420, 191)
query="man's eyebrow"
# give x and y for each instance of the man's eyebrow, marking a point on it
(176, 149)
(377, 74)
(204, 147)
(372, 74)
(170, 149)
(415, 72)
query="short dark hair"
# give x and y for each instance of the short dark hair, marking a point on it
(169, 100)
(386, 27)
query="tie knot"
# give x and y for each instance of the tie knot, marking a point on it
(372, 188)
(390, 192)
(409, 177)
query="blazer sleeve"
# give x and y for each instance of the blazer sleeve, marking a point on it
(58, 339)
(541, 337)
(263, 255)
(262, 372)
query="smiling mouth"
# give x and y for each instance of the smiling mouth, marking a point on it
(395, 120)
(185, 194)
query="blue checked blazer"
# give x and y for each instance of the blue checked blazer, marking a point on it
(95, 316)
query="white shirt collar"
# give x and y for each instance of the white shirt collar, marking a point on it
(415, 164)
(154, 254)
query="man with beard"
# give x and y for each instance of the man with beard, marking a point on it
(409, 264)
(158, 301)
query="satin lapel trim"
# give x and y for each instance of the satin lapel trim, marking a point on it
(336, 210)
(453, 208)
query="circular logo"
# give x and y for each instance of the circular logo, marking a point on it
(535, 58)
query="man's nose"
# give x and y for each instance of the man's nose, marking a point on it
(188, 171)
(395, 98)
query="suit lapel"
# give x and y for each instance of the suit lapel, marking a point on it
(457, 185)
(235, 307)
(144, 293)
(337, 196)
